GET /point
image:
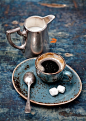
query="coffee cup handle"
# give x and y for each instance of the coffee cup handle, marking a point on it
(67, 74)
(24, 34)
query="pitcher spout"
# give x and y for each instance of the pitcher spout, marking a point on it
(49, 18)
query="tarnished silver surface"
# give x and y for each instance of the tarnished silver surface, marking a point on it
(34, 40)
(9, 32)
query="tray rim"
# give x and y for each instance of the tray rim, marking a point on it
(46, 104)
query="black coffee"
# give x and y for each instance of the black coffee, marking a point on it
(50, 66)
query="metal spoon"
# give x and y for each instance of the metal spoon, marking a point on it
(29, 78)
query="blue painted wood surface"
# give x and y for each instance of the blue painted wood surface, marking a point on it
(69, 29)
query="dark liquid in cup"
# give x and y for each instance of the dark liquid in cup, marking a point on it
(50, 66)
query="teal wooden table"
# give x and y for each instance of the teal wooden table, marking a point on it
(68, 30)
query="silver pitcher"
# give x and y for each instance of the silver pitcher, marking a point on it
(35, 35)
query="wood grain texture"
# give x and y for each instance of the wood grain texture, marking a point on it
(69, 29)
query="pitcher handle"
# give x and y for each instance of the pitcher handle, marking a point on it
(24, 34)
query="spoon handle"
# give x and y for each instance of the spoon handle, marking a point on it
(28, 107)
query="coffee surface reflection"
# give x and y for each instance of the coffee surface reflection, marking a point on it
(50, 66)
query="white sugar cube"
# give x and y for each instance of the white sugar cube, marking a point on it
(61, 89)
(53, 91)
